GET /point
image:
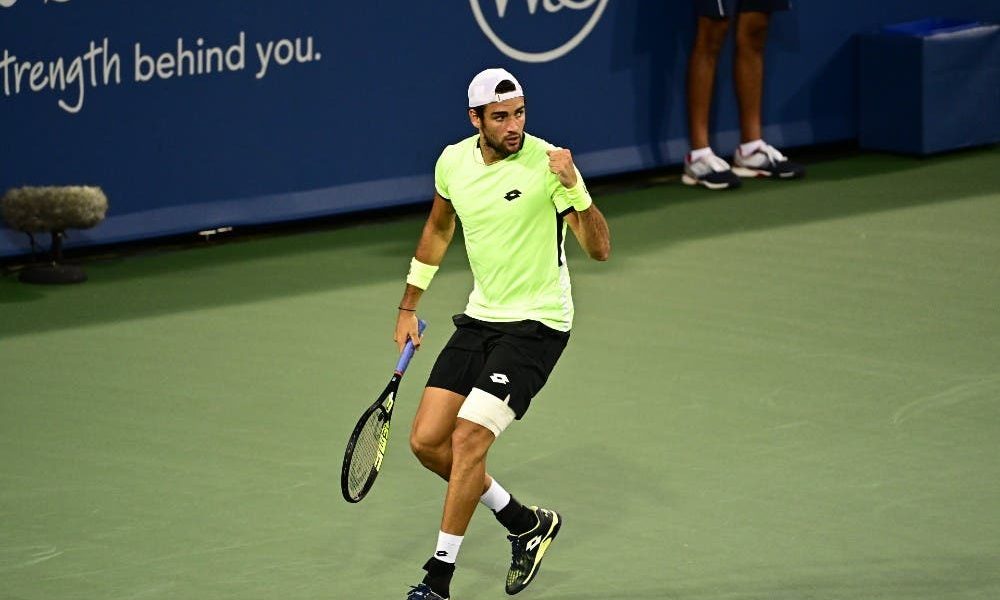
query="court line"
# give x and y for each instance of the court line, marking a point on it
(948, 397)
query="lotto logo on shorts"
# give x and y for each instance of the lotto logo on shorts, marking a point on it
(499, 378)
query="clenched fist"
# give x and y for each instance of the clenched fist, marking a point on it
(561, 163)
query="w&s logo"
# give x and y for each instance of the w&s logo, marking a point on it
(537, 30)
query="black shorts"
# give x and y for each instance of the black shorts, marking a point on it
(511, 361)
(722, 9)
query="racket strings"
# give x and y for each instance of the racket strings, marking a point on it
(365, 453)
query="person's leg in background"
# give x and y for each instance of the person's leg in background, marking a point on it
(748, 71)
(701, 165)
(708, 41)
(754, 157)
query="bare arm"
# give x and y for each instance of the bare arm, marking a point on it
(434, 242)
(589, 225)
(591, 230)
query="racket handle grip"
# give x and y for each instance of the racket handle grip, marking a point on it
(408, 349)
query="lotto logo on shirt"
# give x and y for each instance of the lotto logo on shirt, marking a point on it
(537, 30)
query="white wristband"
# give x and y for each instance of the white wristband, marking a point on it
(578, 196)
(420, 274)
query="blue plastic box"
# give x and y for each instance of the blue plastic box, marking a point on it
(929, 86)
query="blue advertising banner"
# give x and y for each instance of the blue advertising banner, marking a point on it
(195, 114)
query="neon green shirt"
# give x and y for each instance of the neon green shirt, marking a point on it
(512, 217)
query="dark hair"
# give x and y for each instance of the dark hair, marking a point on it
(503, 87)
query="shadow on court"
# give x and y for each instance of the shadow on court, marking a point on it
(871, 183)
(341, 258)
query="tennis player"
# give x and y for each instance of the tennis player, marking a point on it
(515, 194)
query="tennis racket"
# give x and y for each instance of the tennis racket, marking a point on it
(366, 448)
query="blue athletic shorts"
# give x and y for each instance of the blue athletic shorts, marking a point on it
(722, 9)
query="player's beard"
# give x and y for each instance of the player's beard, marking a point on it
(500, 148)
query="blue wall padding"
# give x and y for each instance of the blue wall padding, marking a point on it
(359, 98)
(929, 86)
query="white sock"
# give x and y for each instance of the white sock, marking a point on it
(495, 497)
(447, 548)
(750, 147)
(701, 153)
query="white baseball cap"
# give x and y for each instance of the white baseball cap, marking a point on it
(482, 90)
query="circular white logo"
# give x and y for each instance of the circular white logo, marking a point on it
(550, 6)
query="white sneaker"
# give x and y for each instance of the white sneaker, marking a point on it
(709, 171)
(765, 161)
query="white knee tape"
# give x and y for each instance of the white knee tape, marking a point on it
(487, 410)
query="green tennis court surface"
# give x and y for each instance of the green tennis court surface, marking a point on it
(787, 392)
